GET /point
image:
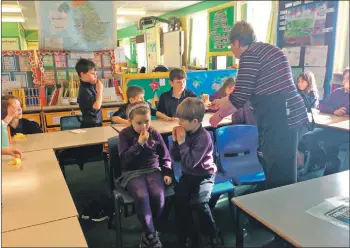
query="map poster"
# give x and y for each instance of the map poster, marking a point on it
(60, 61)
(49, 77)
(9, 63)
(106, 60)
(24, 63)
(220, 24)
(62, 25)
(47, 60)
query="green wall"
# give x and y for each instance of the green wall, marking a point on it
(132, 31)
(9, 29)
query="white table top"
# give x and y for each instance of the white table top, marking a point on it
(167, 126)
(283, 211)
(62, 233)
(331, 121)
(35, 193)
(65, 139)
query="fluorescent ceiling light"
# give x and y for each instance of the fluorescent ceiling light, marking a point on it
(130, 12)
(120, 20)
(11, 9)
(12, 19)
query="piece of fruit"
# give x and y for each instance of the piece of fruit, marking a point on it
(15, 161)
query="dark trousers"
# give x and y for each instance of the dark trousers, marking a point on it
(148, 193)
(90, 151)
(192, 193)
(323, 143)
(279, 152)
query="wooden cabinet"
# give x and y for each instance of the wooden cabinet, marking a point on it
(106, 113)
(33, 117)
(53, 119)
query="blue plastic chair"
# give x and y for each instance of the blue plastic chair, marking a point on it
(222, 184)
(237, 148)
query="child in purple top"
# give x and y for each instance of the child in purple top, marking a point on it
(146, 167)
(323, 143)
(227, 88)
(194, 148)
(337, 103)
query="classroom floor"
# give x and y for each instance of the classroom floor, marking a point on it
(88, 188)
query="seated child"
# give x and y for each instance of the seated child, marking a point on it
(10, 109)
(193, 146)
(169, 100)
(307, 89)
(323, 143)
(146, 167)
(241, 116)
(135, 94)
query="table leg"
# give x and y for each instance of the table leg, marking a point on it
(239, 229)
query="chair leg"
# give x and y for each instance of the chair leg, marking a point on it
(118, 218)
(231, 206)
(105, 160)
(81, 166)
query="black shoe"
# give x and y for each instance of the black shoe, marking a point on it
(150, 240)
(217, 241)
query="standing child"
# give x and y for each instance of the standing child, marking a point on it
(135, 94)
(146, 167)
(169, 100)
(194, 148)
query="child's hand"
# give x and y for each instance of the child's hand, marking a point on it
(205, 98)
(144, 135)
(180, 135)
(340, 112)
(174, 119)
(167, 180)
(99, 86)
(173, 134)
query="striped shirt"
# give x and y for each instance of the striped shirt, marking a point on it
(264, 70)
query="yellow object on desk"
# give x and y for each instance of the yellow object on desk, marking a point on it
(19, 136)
(15, 162)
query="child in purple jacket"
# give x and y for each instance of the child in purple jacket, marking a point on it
(193, 146)
(146, 167)
(323, 143)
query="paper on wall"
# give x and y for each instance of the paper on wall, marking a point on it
(293, 55)
(316, 55)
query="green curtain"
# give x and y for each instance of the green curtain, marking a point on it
(271, 35)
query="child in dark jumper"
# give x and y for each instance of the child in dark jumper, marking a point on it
(193, 146)
(146, 167)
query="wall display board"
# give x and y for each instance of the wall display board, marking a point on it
(306, 34)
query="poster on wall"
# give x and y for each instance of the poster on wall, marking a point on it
(9, 63)
(21, 77)
(220, 24)
(63, 28)
(106, 60)
(151, 48)
(9, 44)
(5, 77)
(47, 60)
(60, 61)
(305, 24)
(97, 60)
(316, 55)
(49, 77)
(24, 63)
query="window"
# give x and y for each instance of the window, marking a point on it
(198, 38)
(258, 15)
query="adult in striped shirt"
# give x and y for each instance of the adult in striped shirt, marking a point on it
(265, 79)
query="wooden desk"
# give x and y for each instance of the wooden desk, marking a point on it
(62, 233)
(164, 127)
(331, 121)
(35, 193)
(65, 139)
(283, 211)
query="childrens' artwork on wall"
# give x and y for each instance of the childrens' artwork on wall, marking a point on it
(20, 65)
(153, 88)
(151, 48)
(208, 82)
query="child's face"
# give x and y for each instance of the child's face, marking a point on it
(346, 82)
(90, 76)
(302, 84)
(141, 122)
(229, 90)
(137, 98)
(178, 85)
(189, 126)
(16, 104)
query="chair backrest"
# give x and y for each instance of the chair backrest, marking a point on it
(114, 163)
(237, 149)
(70, 122)
(177, 165)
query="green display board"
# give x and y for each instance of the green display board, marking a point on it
(220, 24)
(153, 88)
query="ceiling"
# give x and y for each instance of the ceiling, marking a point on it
(152, 8)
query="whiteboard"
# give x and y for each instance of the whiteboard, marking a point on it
(173, 48)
